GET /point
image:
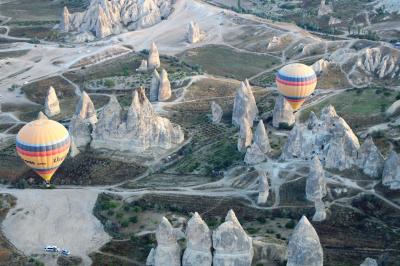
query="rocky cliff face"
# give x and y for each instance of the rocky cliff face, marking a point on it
(198, 236)
(216, 112)
(328, 137)
(153, 61)
(141, 130)
(105, 17)
(164, 90)
(154, 86)
(263, 188)
(193, 32)
(316, 188)
(167, 251)
(257, 152)
(391, 171)
(51, 105)
(231, 243)
(85, 117)
(304, 248)
(244, 105)
(370, 159)
(245, 136)
(283, 116)
(142, 67)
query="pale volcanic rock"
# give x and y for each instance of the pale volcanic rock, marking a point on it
(41, 115)
(391, 171)
(80, 126)
(263, 188)
(334, 21)
(393, 109)
(324, 9)
(245, 136)
(274, 43)
(142, 129)
(198, 249)
(316, 183)
(154, 86)
(370, 159)
(267, 253)
(320, 212)
(244, 105)
(231, 244)
(142, 67)
(282, 115)
(254, 155)
(329, 137)
(105, 18)
(261, 138)
(304, 248)
(150, 260)
(320, 66)
(164, 91)
(73, 151)
(216, 112)
(369, 262)
(153, 61)
(193, 32)
(167, 252)
(51, 105)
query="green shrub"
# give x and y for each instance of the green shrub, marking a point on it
(133, 219)
(109, 83)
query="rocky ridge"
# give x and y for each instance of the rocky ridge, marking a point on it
(51, 105)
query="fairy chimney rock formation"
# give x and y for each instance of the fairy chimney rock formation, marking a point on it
(316, 188)
(254, 155)
(244, 105)
(142, 67)
(193, 32)
(167, 251)
(320, 66)
(231, 243)
(324, 9)
(329, 137)
(41, 115)
(261, 138)
(164, 91)
(140, 130)
(370, 159)
(198, 249)
(80, 126)
(263, 188)
(64, 23)
(154, 86)
(51, 105)
(153, 60)
(216, 112)
(369, 262)
(391, 171)
(283, 116)
(73, 151)
(245, 136)
(304, 248)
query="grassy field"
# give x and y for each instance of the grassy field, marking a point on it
(359, 107)
(225, 61)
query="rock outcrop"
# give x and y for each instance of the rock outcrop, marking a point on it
(369, 262)
(103, 18)
(320, 66)
(393, 109)
(274, 43)
(142, 67)
(283, 116)
(261, 138)
(73, 151)
(193, 32)
(391, 171)
(254, 155)
(164, 90)
(154, 86)
(370, 159)
(153, 61)
(324, 9)
(304, 248)
(142, 129)
(263, 188)
(328, 137)
(216, 112)
(231, 243)
(198, 238)
(51, 105)
(85, 117)
(41, 115)
(316, 188)
(244, 105)
(167, 251)
(245, 136)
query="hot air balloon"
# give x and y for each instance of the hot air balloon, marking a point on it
(43, 145)
(296, 82)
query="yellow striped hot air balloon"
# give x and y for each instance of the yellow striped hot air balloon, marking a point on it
(43, 145)
(296, 82)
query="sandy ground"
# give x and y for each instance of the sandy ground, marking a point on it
(61, 217)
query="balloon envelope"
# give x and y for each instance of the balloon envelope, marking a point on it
(43, 145)
(296, 82)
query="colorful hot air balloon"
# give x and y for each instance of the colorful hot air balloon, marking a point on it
(43, 145)
(296, 82)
